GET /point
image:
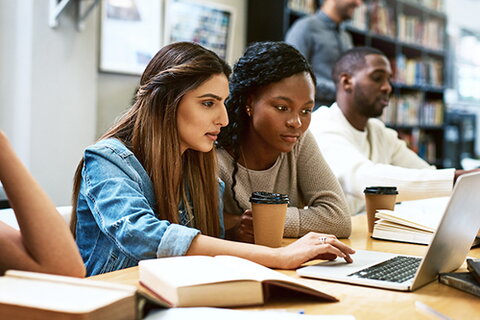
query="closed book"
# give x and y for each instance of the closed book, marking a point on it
(221, 281)
(461, 280)
(30, 295)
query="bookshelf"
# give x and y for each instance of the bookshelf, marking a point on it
(412, 33)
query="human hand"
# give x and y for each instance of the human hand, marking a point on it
(244, 230)
(312, 246)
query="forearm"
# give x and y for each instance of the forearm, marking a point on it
(327, 218)
(45, 235)
(205, 245)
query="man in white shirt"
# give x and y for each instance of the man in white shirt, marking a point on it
(360, 150)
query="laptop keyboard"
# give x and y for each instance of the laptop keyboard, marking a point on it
(398, 269)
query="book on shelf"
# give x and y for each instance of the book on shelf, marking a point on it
(359, 18)
(382, 18)
(411, 221)
(411, 110)
(221, 281)
(304, 6)
(461, 280)
(418, 71)
(436, 5)
(24, 294)
(415, 30)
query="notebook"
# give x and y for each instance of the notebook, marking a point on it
(446, 252)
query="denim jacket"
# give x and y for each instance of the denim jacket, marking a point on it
(116, 222)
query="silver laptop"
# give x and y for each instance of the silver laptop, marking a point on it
(446, 252)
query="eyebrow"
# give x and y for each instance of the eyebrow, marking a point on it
(210, 95)
(290, 100)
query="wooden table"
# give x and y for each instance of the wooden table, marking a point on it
(365, 302)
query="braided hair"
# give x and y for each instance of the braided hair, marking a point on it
(262, 63)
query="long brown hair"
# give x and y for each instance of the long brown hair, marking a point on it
(149, 130)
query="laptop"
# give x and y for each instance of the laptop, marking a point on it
(446, 252)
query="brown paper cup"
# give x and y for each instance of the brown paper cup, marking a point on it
(268, 223)
(376, 202)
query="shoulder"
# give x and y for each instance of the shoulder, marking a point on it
(326, 119)
(378, 127)
(108, 156)
(322, 113)
(110, 147)
(224, 162)
(306, 143)
(305, 23)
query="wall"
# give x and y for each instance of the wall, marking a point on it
(115, 91)
(48, 99)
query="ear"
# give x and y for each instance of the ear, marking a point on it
(346, 82)
(248, 108)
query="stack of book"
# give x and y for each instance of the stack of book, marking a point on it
(465, 281)
(410, 221)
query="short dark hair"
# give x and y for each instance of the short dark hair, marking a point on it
(352, 60)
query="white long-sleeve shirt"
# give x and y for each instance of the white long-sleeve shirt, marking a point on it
(374, 157)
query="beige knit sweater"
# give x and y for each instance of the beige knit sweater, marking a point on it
(317, 202)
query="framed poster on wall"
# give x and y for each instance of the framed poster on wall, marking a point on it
(209, 24)
(130, 34)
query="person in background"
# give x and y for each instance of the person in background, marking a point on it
(361, 151)
(321, 38)
(44, 242)
(266, 146)
(149, 187)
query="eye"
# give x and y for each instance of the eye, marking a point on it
(306, 111)
(281, 108)
(208, 103)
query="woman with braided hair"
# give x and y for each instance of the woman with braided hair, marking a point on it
(149, 187)
(266, 146)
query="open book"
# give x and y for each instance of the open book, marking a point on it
(221, 281)
(411, 221)
(30, 295)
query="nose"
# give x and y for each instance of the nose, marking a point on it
(294, 121)
(222, 117)
(386, 87)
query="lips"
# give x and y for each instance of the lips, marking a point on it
(384, 101)
(289, 138)
(212, 135)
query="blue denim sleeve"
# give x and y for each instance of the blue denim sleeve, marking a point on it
(116, 197)
(221, 190)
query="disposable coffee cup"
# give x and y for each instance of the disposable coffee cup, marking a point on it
(377, 198)
(269, 211)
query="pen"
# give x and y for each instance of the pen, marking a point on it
(429, 310)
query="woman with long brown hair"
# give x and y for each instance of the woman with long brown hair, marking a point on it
(148, 188)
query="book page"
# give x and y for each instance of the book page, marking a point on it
(422, 214)
(192, 270)
(251, 269)
(222, 314)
